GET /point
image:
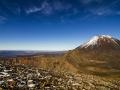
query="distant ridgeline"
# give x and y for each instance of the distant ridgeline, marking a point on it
(28, 53)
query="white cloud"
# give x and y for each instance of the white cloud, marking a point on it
(101, 11)
(33, 10)
(46, 8)
(104, 10)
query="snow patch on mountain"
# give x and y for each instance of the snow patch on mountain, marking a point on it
(92, 42)
(100, 40)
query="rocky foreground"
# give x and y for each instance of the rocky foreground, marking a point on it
(21, 77)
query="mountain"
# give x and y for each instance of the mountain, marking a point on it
(13, 53)
(102, 42)
(100, 55)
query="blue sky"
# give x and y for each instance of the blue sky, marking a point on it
(56, 24)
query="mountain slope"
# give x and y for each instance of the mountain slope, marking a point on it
(100, 55)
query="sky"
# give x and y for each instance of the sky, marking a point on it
(56, 24)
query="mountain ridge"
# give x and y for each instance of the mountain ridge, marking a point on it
(102, 42)
(100, 55)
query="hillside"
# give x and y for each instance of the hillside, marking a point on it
(99, 56)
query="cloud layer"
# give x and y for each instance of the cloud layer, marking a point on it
(58, 8)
